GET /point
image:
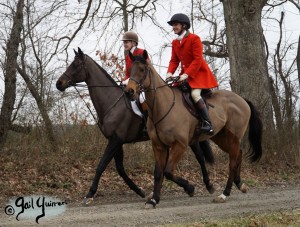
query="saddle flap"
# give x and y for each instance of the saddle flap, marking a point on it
(189, 103)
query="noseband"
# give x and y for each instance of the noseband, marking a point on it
(69, 82)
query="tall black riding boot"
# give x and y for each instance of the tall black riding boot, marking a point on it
(206, 123)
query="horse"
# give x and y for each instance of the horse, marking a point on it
(171, 127)
(117, 121)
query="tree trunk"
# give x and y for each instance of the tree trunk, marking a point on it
(10, 73)
(248, 63)
(298, 60)
(298, 68)
(42, 108)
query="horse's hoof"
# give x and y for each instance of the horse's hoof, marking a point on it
(88, 201)
(150, 204)
(220, 199)
(211, 189)
(243, 188)
(190, 190)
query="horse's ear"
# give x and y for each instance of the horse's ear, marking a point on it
(145, 55)
(131, 56)
(76, 53)
(81, 54)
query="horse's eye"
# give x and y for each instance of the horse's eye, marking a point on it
(142, 70)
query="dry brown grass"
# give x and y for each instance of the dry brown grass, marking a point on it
(28, 166)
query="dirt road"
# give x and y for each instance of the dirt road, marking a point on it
(129, 210)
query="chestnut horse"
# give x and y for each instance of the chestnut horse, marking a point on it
(117, 121)
(171, 126)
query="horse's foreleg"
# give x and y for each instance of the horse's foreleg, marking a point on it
(109, 153)
(200, 158)
(161, 157)
(120, 168)
(188, 188)
(175, 155)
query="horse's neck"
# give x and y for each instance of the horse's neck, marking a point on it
(103, 91)
(160, 97)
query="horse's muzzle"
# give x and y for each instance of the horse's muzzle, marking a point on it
(60, 85)
(130, 94)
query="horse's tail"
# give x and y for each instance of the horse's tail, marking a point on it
(207, 151)
(255, 134)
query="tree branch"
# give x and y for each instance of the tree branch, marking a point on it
(81, 23)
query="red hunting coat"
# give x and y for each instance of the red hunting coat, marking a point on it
(128, 61)
(189, 52)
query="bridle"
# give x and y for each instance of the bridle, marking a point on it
(140, 83)
(71, 83)
(142, 88)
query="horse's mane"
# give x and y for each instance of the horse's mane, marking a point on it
(104, 71)
(153, 70)
(141, 59)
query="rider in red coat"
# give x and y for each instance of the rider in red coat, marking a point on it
(130, 42)
(187, 50)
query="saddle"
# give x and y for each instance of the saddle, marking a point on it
(189, 104)
(188, 101)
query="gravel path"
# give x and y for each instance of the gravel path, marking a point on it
(129, 210)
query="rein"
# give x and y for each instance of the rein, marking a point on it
(140, 83)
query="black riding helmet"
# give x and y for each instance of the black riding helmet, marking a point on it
(180, 18)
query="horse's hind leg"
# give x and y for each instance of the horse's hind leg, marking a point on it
(109, 153)
(230, 144)
(120, 168)
(238, 182)
(198, 151)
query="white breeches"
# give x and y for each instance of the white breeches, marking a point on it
(196, 94)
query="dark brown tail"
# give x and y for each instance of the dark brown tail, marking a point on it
(255, 134)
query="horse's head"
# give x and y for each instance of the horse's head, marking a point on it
(75, 73)
(139, 75)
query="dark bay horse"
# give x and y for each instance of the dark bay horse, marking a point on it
(117, 121)
(171, 126)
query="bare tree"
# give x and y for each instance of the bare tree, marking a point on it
(35, 46)
(248, 65)
(100, 16)
(298, 66)
(298, 60)
(243, 41)
(35, 64)
(215, 43)
(10, 73)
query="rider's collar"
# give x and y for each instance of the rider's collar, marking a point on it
(180, 37)
(133, 49)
